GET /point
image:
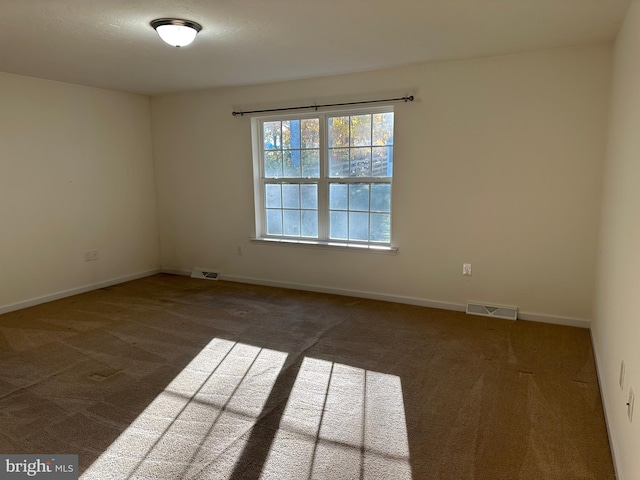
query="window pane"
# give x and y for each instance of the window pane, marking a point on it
(383, 128)
(339, 162)
(338, 131)
(286, 135)
(380, 227)
(291, 134)
(272, 135)
(338, 196)
(291, 195)
(309, 223)
(360, 130)
(272, 164)
(360, 162)
(359, 197)
(310, 133)
(273, 198)
(291, 222)
(382, 162)
(311, 163)
(381, 197)
(291, 163)
(274, 222)
(358, 226)
(309, 196)
(338, 225)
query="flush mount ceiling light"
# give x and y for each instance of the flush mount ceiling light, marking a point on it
(176, 32)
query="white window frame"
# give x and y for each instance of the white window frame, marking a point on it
(323, 182)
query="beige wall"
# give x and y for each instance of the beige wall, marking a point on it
(497, 164)
(76, 174)
(616, 327)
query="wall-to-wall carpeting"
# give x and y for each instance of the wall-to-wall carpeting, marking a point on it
(172, 377)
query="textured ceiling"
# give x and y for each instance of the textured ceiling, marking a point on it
(109, 43)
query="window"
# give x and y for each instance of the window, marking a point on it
(326, 177)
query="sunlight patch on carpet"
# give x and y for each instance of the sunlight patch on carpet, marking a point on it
(203, 414)
(341, 422)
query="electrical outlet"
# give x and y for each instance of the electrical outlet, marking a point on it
(621, 379)
(94, 255)
(630, 404)
(466, 269)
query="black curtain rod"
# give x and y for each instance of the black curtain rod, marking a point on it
(404, 99)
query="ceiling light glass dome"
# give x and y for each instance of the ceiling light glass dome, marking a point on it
(176, 32)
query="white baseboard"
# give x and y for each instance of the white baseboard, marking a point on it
(75, 291)
(557, 320)
(607, 420)
(535, 317)
(170, 271)
(422, 302)
(347, 293)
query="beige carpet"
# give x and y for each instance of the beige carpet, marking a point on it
(170, 377)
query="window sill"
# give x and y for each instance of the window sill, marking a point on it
(344, 246)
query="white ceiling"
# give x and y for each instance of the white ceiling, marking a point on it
(109, 43)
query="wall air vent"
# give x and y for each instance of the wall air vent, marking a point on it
(508, 313)
(206, 274)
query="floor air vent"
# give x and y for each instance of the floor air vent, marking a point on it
(508, 313)
(206, 274)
